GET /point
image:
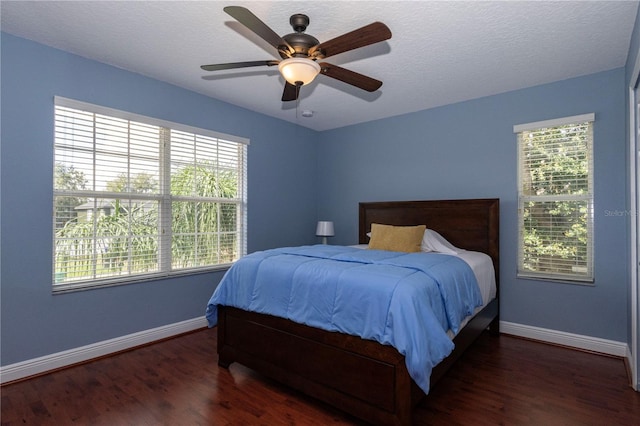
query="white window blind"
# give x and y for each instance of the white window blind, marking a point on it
(136, 198)
(555, 199)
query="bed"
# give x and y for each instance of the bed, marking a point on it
(365, 378)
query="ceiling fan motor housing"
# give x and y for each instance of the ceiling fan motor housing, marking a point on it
(300, 42)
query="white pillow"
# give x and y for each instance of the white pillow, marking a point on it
(432, 241)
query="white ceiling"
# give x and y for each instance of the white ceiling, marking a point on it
(441, 52)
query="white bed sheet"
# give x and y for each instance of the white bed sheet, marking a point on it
(482, 267)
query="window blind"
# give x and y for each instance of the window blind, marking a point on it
(136, 199)
(555, 197)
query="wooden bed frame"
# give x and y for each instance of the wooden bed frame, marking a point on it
(363, 377)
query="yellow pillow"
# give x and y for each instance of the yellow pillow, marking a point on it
(396, 238)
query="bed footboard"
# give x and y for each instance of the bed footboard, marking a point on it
(363, 378)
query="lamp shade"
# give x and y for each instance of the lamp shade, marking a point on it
(301, 70)
(325, 229)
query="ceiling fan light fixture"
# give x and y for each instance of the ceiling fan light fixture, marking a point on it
(301, 70)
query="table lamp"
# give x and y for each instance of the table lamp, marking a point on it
(324, 230)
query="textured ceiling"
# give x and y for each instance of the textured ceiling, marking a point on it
(441, 52)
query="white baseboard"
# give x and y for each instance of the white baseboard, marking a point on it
(608, 347)
(32, 367)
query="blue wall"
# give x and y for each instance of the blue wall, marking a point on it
(282, 180)
(468, 150)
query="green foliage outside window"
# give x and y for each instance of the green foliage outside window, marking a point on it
(122, 235)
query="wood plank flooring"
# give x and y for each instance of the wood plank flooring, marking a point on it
(500, 380)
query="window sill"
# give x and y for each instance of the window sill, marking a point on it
(98, 284)
(589, 282)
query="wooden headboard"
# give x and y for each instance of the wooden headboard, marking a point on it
(468, 224)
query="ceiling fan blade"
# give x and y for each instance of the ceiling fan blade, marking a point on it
(350, 77)
(369, 34)
(252, 22)
(232, 65)
(291, 92)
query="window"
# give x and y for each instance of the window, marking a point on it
(137, 198)
(555, 199)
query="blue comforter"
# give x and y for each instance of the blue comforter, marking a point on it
(407, 300)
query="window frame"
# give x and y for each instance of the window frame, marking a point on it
(164, 198)
(588, 277)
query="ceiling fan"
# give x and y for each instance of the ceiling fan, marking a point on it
(301, 52)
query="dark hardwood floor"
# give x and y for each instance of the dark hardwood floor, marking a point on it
(500, 380)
